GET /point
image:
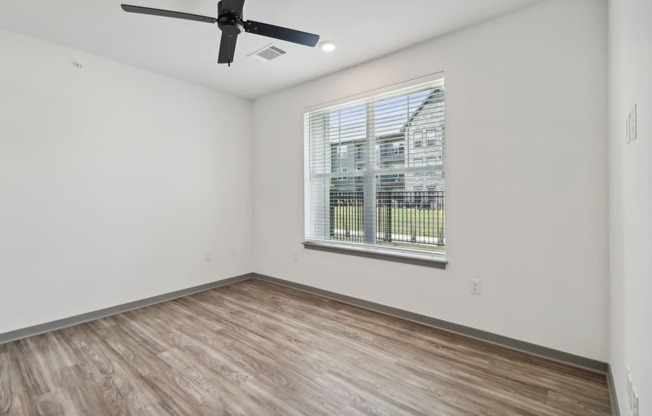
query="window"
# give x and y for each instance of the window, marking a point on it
(430, 137)
(359, 153)
(439, 134)
(393, 150)
(417, 138)
(417, 164)
(431, 162)
(380, 209)
(343, 151)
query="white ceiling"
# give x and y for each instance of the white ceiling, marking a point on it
(363, 30)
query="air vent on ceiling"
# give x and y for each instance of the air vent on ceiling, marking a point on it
(267, 53)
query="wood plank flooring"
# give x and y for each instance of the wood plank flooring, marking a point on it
(254, 348)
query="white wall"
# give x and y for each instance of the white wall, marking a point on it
(113, 183)
(630, 57)
(526, 180)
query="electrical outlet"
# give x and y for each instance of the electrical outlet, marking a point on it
(233, 252)
(634, 403)
(208, 256)
(475, 287)
(295, 255)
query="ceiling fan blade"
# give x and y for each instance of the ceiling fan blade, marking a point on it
(167, 13)
(227, 49)
(233, 6)
(282, 33)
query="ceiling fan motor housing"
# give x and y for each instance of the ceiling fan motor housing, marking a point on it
(229, 22)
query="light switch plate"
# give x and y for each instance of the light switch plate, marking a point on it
(633, 124)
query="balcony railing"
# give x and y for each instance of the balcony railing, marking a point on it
(403, 218)
(393, 153)
(392, 180)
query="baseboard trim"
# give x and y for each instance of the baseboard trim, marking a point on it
(514, 344)
(511, 343)
(613, 397)
(114, 310)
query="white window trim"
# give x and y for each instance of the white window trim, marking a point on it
(416, 257)
(403, 255)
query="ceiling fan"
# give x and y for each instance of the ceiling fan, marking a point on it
(229, 21)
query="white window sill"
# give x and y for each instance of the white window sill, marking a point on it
(378, 252)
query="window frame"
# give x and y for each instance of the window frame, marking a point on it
(430, 141)
(418, 140)
(434, 163)
(403, 255)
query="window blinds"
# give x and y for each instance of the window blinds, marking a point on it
(387, 145)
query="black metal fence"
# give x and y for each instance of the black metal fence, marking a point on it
(402, 217)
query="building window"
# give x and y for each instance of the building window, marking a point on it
(343, 151)
(418, 139)
(430, 137)
(439, 134)
(418, 163)
(431, 161)
(380, 207)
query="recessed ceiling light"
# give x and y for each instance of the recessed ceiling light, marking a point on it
(327, 46)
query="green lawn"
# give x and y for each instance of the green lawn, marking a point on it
(406, 221)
